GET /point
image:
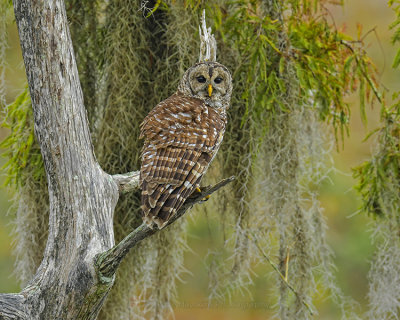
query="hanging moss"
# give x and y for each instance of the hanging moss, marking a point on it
(85, 29)
(380, 190)
(5, 14)
(289, 71)
(379, 186)
(144, 59)
(25, 171)
(240, 51)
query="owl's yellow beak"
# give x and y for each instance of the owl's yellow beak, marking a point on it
(209, 90)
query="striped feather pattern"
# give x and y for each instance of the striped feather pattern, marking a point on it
(182, 136)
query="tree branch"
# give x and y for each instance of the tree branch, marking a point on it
(127, 182)
(107, 262)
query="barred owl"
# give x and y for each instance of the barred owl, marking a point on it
(182, 135)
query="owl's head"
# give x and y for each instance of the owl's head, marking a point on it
(208, 81)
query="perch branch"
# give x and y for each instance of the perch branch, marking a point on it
(127, 182)
(107, 262)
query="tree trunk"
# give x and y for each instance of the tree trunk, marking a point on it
(82, 196)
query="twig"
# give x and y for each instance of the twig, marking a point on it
(371, 84)
(275, 267)
(107, 262)
(127, 182)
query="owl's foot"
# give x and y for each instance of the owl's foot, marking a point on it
(205, 198)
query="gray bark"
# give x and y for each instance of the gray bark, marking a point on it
(80, 258)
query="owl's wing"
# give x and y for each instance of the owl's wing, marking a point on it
(182, 136)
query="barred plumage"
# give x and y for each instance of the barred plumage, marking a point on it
(182, 135)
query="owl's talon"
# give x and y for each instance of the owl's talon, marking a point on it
(198, 190)
(205, 198)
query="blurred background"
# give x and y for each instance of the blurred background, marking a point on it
(349, 230)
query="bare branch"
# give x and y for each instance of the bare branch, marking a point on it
(208, 45)
(107, 263)
(127, 182)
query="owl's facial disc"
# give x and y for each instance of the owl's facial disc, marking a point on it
(209, 82)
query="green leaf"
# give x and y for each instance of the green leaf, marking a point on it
(362, 101)
(396, 60)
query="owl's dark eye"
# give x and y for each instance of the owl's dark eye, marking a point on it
(201, 79)
(218, 80)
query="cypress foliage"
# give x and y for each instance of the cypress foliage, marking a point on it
(290, 71)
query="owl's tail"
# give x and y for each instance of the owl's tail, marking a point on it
(166, 200)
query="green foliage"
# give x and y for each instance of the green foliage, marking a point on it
(327, 63)
(381, 175)
(254, 36)
(20, 147)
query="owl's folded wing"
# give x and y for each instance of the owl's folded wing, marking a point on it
(180, 142)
